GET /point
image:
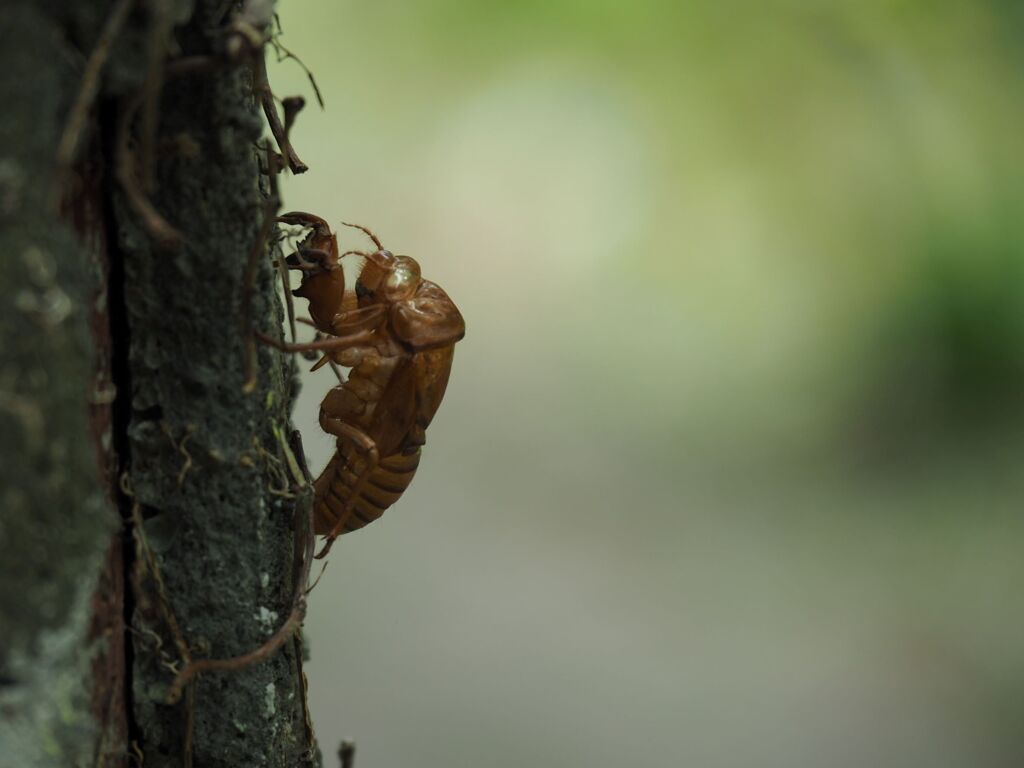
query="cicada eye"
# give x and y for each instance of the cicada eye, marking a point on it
(405, 277)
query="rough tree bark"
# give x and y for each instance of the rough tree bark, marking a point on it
(151, 508)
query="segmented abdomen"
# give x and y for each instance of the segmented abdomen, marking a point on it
(379, 491)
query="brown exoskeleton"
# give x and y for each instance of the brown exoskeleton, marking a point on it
(396, 331)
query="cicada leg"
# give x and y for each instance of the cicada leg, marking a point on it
(337, 344)
(303, 219)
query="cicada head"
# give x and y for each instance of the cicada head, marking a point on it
(386, 278)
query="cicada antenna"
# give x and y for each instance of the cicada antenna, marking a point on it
(368, 233)
(373, 258)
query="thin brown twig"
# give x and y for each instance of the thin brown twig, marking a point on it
(295, 454)
(262, 88)
(145, 553)
(154, 222)
(295, 457)
(90, 85)
(180, 448)
(307, 720)
(158, 642)
(283, 53)
(159, 30)
(187, 465)
(274, 466)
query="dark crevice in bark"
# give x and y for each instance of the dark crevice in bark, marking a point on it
(120, 341)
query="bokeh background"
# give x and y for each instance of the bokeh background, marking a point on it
(729, 469)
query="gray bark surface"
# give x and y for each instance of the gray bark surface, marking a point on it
(202, 461)
(55, 520)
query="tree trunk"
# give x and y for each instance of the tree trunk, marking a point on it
(153, 510)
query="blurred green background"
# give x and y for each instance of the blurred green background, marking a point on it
(729, 469)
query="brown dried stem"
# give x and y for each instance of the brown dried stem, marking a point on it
(153, 221)
(283, 53)
(296, 459)
(125, 171)
(145, 554)
(159, 30)
(262, 87)
(90, 86)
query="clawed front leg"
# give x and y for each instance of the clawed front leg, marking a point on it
(303, 219)
(318, 252)
(300, 260)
